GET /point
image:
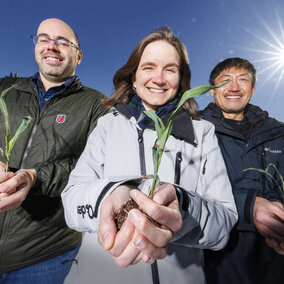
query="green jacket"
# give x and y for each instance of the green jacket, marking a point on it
(52, 144)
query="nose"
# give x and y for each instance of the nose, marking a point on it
(52, 44)
(234, 85)
(159, 77)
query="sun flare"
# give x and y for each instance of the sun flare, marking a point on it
(271, 54)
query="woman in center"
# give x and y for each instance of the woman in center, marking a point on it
(194, 203)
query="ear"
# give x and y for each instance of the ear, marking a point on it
(212, 93)
(79, 56)
(253, 90)
(134, 81)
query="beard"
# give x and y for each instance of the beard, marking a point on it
(56, 74)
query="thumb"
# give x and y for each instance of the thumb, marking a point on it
(2, 167)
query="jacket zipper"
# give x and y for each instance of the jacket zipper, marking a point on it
(245, 150)
(263, 166)
(177, 167)
(154, 266)
(141, 152)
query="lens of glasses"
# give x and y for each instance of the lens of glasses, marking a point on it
(44, 41)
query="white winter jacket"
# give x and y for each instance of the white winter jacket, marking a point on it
(117, 150)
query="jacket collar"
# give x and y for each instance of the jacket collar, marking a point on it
(26, 85)
(261, 123)
(182, 125)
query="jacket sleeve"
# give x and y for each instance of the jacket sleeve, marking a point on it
(52, 176)
(209, 212)
(264, 186)
(245, 199)
(87, 187)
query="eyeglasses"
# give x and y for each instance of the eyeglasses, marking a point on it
(44, 41)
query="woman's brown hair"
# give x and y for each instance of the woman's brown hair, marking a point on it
(122, 79)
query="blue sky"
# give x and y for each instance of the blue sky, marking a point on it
(110, 29)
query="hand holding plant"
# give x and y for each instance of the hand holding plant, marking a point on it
(269, 175)
(279, 185)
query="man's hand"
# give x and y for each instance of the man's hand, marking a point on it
(138, 238)
(2, 167)
(277, 246)
(267, 218)
(15, 187)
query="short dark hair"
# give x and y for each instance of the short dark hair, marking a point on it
(122, 79)
(228, 63)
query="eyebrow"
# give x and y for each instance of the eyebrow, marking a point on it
(153, 64)
(238, 75)
(59, 37)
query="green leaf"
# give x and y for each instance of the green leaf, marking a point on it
(4, 92)
(281, 177)
(4, 111)
(142, 115)
(266, 172)
(5, 114)
(159, 125)
(195, 92)
(156, 182)
(150, 176)
(155, 154)
(163, 132)
(24, 124)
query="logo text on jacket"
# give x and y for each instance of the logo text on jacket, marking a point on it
(276, 151)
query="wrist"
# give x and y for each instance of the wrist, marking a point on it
(31, 173)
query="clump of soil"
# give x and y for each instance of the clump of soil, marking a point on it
(122, 213)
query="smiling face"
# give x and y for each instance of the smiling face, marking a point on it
(56, 63)
(157, 77)
(235, 95)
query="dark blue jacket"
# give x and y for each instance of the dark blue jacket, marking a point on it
(247, 258)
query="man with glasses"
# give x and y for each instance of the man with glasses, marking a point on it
(248, 138)
(36, 246)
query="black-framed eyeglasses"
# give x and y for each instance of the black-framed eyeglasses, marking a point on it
(43, 40)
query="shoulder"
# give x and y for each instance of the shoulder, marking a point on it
(9, 81)
(203, 126)
(108, 119)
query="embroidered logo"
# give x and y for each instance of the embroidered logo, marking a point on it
(60, 118)
(276, 151)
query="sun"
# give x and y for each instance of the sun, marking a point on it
(271, 55)
(282, 56)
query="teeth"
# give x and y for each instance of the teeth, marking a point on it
(156, 90)
(52, 58)
(233, 97)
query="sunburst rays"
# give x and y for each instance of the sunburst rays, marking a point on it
(270, 56)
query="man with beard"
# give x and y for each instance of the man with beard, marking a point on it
(248, 137)
(36, 245)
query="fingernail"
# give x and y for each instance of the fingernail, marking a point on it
(140, 243)
(145, 258)
(133, 215)
(133, 194)
(107, 242)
